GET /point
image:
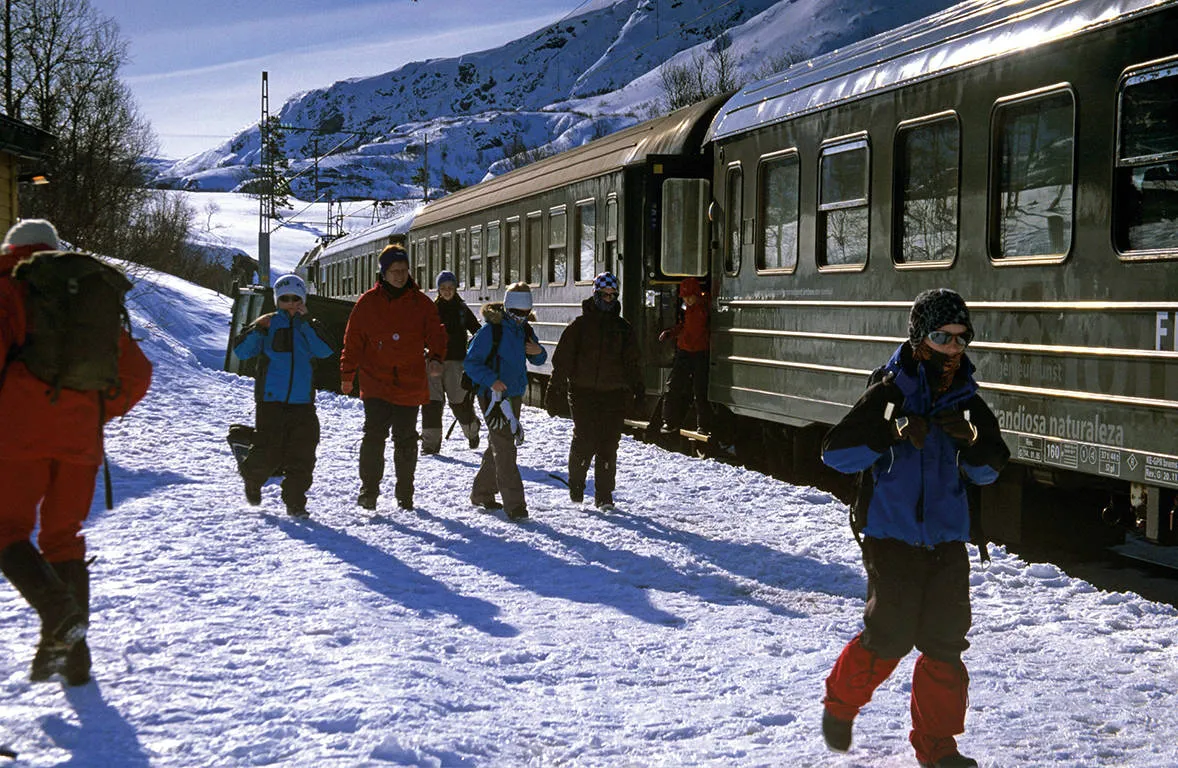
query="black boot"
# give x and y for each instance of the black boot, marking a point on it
(63, 623)
(76, 576)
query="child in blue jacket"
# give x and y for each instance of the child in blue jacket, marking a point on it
(502, 380)
(923, 433)
(287, 429)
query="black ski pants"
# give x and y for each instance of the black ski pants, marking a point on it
(380, 418)
(689, 378)
(285, 437)
(597, 428)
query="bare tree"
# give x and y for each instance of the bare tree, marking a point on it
(707, 74)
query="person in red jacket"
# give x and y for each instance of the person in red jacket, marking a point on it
(48, 464)
(689, 370)
(395, 340)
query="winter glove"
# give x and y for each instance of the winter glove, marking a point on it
(494, 417)
(556, 399)
(878, 410)
(912, 428)
(956, 424)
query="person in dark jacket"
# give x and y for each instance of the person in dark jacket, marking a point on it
(460, 322)
(286, 433)
(689, 369)
(596, 364)
(923, 434)
(502, 381)
(396, 343)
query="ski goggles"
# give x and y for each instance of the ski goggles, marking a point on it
(944, 337)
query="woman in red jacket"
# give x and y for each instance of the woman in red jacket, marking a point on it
(394, 340)
(49, 460)
(689, 370)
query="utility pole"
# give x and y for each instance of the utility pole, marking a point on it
(266, 198)
(425, 168)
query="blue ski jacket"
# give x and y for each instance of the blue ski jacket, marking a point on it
(287, 346)
(511, 368)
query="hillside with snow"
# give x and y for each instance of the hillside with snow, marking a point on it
(693, 626)
(590, 74)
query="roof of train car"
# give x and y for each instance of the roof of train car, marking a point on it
(965, 34)
(676, 133)
(398, 225)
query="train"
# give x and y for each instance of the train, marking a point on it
(1023, 153)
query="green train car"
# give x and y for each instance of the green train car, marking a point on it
(1022, 153)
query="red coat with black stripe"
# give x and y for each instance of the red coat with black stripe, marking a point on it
(390, 336)
(35, 424)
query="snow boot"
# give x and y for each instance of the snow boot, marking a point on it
(253, 493)
(489, 505)
(955, 760)
(298, 510)
(63, 622)
(517, 513)
(367, 500)
(471, 430)
(431, 441)
(405, 502)
(76, 575)
(836, 733)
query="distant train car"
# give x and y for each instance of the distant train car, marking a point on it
(559, 222)
(1022, 153)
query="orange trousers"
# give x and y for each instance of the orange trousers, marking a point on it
(62, 492)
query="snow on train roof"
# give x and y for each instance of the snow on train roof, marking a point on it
(676, 133)
(965, 34)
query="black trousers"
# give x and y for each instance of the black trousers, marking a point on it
(597, 428)
(689, 378)
(380, 418)
(916, 597)
(285, 436)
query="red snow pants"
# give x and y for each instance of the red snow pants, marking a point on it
(63, 491)
(916, 597)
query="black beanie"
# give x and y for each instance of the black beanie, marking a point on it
(934, 308)
(390, 254)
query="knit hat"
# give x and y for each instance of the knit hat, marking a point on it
(517, 296)
(605, 280)
(390, 254)
(290, 285)
(32, 232)
(689, 287)
(446, 276)
(934, 308)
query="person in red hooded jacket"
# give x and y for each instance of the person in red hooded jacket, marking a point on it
(48, 464)
(689, 370)
(394, 340)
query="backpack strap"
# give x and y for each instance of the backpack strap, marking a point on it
(492, 360)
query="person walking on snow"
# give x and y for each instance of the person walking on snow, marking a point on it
(689, 369)
(923, 433)
(596, 367)
(50, 450)
(502, 380)
(287, 428)
(459, 321)
(395, 341)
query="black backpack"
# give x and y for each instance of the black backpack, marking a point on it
(76, 316)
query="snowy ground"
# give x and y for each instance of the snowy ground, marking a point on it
(692, 627)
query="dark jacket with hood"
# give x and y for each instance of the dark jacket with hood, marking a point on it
(459, 321)
(918, 496)
(598, 351)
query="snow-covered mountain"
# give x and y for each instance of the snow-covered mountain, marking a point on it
(585, 76)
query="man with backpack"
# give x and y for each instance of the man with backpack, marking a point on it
(70, 365)
(395, 341)
(921, 433)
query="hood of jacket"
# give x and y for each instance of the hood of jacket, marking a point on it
(494, 311)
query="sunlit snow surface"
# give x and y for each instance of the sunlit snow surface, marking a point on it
(693, 626)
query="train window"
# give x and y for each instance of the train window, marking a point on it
(447, 257)
(534, 247)
(558, 238)
(1031, 197)
(512, 253)
(843, 210)
(587, 239)
(684, 242)
(927, 180)
(460, 257)
(733, 216)
(493, 264)
(611, 233)
(1145, 191)
(476, 257)
(777, 196)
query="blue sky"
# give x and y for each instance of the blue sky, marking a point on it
(196, 66)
